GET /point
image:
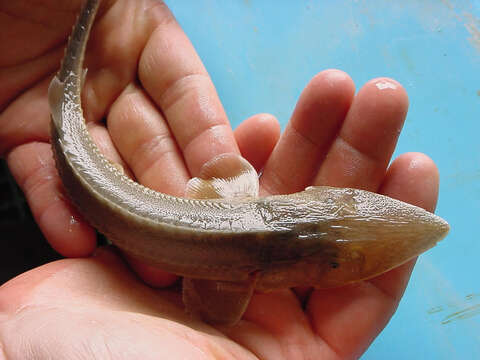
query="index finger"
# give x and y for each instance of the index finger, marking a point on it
(174, 76)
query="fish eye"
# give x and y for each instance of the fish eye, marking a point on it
(334, 265)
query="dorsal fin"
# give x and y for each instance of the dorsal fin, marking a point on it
(225, 176)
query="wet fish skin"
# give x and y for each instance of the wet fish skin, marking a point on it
(322, 236)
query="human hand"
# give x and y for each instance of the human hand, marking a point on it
(332, 139)
(96, 308)
(163, 116)
(109, 310)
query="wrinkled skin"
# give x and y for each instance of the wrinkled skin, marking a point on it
(163, 121)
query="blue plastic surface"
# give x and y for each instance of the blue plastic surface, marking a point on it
(262, 53)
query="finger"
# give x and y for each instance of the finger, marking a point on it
(33, 168)
(256, 137)
(112, 54)
(173, 75)
(26, 119)
(319, 113)
(361, 152)
(403, 182)
(414, 178)
(145, 142)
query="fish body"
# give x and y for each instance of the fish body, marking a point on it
(226, 247)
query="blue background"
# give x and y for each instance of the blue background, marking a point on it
(262, 53)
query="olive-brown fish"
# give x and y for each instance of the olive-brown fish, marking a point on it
(235, 242)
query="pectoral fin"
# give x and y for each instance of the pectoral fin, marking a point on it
(225, 176)
(217, 302)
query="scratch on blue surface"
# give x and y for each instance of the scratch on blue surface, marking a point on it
(473, 26)
(435, 309)
(461, 310)
(462, 314)
(470, 21)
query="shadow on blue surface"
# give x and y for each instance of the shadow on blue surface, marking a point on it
(261, 54)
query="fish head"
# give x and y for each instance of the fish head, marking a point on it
(348, 235)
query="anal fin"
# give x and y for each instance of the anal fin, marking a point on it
(217, 302)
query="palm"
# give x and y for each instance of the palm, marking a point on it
(163, 121)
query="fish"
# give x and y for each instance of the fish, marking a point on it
(221, 237)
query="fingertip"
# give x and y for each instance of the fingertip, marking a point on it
(376, 118)
(381, 104)
(256, 138)
(333, 77)
(389, 92)
(414, 178)
(265, 123)
(322, 107)
(331, 85)
(329, 89)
